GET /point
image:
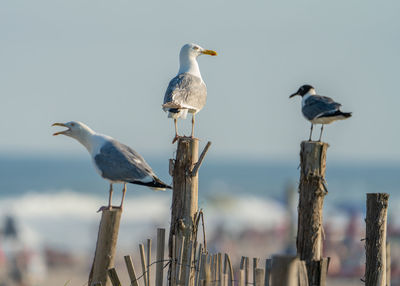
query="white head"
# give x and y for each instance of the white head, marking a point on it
(188, 56)
(75, 129)
(193, 51)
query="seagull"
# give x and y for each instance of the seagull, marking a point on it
(319, 109)
(113, 160)
(186, 92)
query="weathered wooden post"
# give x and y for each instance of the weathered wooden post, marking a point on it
(312, 191)
(375, 241)
(184, 170)
(105, 247)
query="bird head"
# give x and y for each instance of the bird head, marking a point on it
(303, 90)
(75, 129)
(193, 50)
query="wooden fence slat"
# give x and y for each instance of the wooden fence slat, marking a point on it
(255, 265)
(160, 256)
(246, 271)
(198, 265)
(231, 274)
(241, 277)
(303, 277)
(113, 277)
(225, 279)
(259, 278)
(189, 263)
(148, 261)
(172, 269)
(219, 270)
(131, 270)
(207, 270)
(284, 270)
(144, 265)
(268, 267)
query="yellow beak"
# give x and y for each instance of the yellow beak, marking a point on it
(209, 52)
(60, 132)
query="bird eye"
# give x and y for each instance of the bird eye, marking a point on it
(72, 124)
(195, 48)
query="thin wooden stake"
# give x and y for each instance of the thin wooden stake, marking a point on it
(268, 267)
(179, 262)
(219, 270)
(231, 274)
(255, 265)
(284, 271)
(242, 277)
(131, 270)
(303, 277)
(198, 265)
(172, 268)
(259, 277)
(160, 256)
(246, 271)
(189, 264)
(114, 277)
(148, 261)
(144, 265)
(388, 264)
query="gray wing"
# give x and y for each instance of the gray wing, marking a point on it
(118, 162)
(316, 106)
(185, 91)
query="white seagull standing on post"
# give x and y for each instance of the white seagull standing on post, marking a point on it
(113, 160)
(186, 92)
(319, 109)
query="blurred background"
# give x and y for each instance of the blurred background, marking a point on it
(108, 63)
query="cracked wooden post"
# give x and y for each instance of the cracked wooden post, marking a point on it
(312, 191)
(375, 240)
(105, 247)
(184, 170)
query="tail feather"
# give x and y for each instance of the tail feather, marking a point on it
(156, 184)
(346, 114)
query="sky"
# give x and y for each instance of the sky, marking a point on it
(108, 63)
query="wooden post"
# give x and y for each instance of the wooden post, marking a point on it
(312, 191)
(105, 247)
(185, 197)
(375, 242)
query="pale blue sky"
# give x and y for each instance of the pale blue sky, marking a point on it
(108, 63)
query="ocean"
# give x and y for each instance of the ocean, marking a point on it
(54, 200)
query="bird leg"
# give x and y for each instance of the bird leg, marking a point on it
(109, 207)
(176, 131)
(320, 135)
(192, 126)
(123, 196)
(312, 125)
(110, 197)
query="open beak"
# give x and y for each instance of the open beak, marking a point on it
(209, 52)
(294, 94)
(61, 132)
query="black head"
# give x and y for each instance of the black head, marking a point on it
(303, 90)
